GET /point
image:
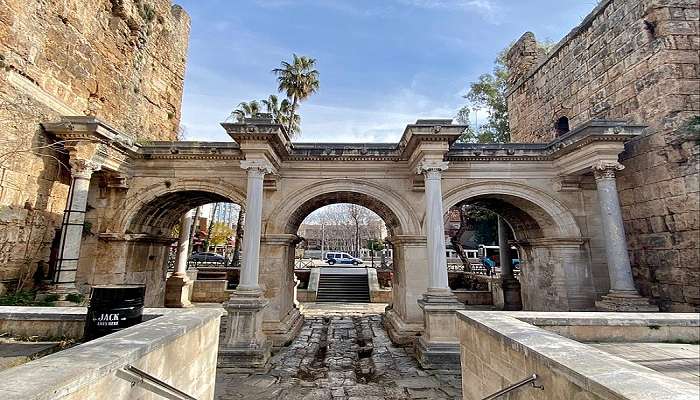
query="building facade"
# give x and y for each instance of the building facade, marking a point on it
(636, 61)
(122, 61)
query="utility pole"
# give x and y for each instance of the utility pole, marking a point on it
(323, 236)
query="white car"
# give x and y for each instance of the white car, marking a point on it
(333, 257)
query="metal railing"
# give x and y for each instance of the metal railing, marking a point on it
(151, 383)
(531, 379)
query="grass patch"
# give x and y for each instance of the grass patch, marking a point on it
(26, 298)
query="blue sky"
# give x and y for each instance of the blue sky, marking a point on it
(382, 63)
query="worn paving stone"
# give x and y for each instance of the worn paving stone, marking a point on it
(340, 358)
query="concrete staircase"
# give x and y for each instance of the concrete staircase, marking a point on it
(343, 288)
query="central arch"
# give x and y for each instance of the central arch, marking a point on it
(279, 240)
(396, 212)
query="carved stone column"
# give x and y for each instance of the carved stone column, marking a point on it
(509, 284)
(73, 222)
(245, 344)
(623, 295)
(438, 347)
(177, 287)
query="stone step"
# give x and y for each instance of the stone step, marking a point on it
(343, 288)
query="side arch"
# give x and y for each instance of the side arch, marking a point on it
(395, 210)
(161, 201)
(532, 204)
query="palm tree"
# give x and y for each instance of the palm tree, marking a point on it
(281, 112)
(298, 80)
(245, 110)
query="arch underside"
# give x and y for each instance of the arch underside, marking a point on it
(525, 219)
(160, 215)
(361, 199)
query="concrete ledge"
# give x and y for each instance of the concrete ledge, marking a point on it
(500, 348)
(376, 293)
(211, 291)
(168, 337)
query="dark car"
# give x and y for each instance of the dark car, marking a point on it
(207, 257)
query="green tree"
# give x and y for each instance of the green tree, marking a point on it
(245, 110)
(299, 80)
(488, 92)
(281, 112)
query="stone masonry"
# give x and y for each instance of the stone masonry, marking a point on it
(340, 358)
(120, 60)
(636, 61)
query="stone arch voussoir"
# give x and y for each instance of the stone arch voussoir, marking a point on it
(561, 218)
(132, 205)
(398, 207)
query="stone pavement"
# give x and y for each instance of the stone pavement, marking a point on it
(340, 357)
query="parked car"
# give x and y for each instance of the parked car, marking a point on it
(207, 257)
(333, 257)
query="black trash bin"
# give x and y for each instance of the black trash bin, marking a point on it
(113, 308)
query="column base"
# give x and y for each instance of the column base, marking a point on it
(438, 348)
(625, 302)
(178, 291)
(512, 300)
(244, 344)
(282, 333)
(438, 355)
(400, 332)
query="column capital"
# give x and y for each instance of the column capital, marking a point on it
(606, 169)
(257, 167)
(431, 167)
(82, 168)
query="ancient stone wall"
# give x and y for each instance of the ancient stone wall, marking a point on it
(120, 60)
(636, 61)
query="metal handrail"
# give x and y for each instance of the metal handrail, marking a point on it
(531, 379)
(151, 383)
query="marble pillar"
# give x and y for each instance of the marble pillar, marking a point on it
(438, 347)
(73, 225)
(509, 284)
(178, 285)
(244, 343)
(623, 296)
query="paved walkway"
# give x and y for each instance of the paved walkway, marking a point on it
(340, 358)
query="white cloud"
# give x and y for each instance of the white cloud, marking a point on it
(487, 8)
(383, 119)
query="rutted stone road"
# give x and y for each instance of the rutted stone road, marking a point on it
(340, 358)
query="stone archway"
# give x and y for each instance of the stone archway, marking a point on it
(279, 240)
(135, 245)
(556, 266)
(168, 200)
(398, 213)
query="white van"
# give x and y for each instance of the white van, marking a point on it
(337, 257)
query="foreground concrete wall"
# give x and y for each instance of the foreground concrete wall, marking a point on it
(178, 347)
(637, 61)
(501, 348)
